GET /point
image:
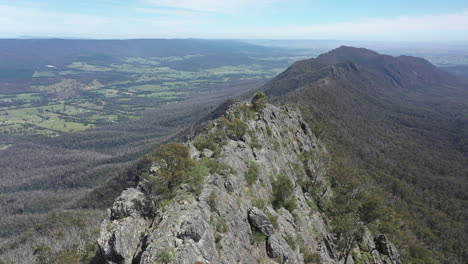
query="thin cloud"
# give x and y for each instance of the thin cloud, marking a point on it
(225, 6)
(33, 20)
(156, 22)
(38, 22)
(169, 12)
(368, 28)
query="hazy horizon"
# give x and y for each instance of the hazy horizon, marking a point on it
(315, 46)
(420, 21)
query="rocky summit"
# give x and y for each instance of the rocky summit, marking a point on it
(252, 189)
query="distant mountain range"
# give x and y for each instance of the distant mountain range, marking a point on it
(30, 53)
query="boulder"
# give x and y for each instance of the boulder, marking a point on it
(130, 203)
(278, 248)
(260, 221)
(120, 241)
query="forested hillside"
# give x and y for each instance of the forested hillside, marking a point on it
(401, 123)
(77, 116)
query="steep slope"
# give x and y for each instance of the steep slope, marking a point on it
(405, 72)
(461, 71)
(403, 122)
(255, 191)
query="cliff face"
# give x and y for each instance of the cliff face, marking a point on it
(260, 202)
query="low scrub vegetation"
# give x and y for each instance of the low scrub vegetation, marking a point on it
(309, 256)
(258, 236)
(75, 230)
(252, 174)
(246, 112)
(283, 190)
(198, 174)
(234, 128)
(219, 223)
(174, 168)
(174, 165)
(228, 128)
(255, 143)
(217, 167)
(209, 141)
(259, 101)
(165, 256)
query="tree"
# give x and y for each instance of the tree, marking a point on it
(355, 204)
(174, 163)
(259, 101)
(283, 189)
(349, 230)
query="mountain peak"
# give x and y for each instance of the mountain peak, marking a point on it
(402, 71)
(349, 49)
(347, 53)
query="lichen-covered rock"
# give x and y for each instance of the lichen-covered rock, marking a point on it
(260, 221)
(121, 234)
(231, 183)
(130, 203)
(278, 248)
(193, 229)
(120, 241)
(231, 219)
(183, 232)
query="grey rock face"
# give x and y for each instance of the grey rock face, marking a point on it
(231, 220)
(387, 248)
(120, 242)
(130, 203)
(194, 229)
(260, 221)
(121, 234)
(278, 248)
(231, 183)
(329, 247)
(368, 239)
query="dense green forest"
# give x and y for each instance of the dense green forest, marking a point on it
(400, 123)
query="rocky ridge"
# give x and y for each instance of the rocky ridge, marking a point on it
(263, 206)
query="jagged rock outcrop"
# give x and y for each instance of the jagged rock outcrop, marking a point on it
(121, 234)
(258, 204)
(387, 248)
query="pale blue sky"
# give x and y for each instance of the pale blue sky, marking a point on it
(397, 20)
